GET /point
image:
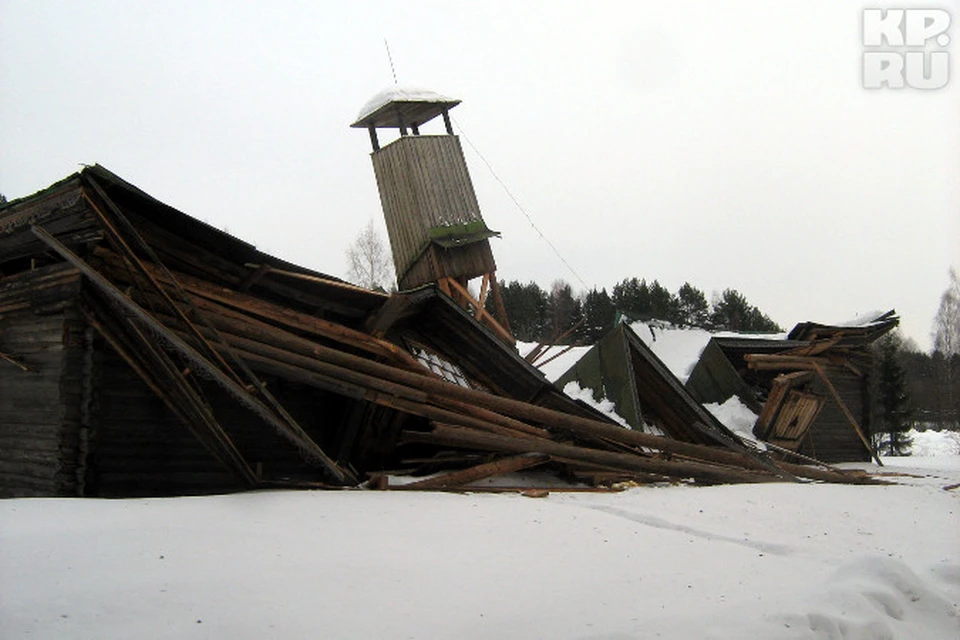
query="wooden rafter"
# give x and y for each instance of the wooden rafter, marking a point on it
(458, 292)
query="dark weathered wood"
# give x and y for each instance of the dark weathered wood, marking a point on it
(120, 242)
(314, 355)
(6, 357)
(272, 343)
(559, 353)
(306, 277)
(371, 389)
(129, 256)
(846, 412)
(295, 435)
(221, 300)
(259, 270)
(158, 372)
(530, 492)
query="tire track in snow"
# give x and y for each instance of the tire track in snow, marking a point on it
(660, 523)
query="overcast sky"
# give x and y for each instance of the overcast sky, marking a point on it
(728, 144)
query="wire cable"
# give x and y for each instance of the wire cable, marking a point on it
(518, 205)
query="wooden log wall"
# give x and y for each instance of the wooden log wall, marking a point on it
(60, 209)
(41, 383)
(142, 449)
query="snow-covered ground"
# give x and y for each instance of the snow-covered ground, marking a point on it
(749, 561)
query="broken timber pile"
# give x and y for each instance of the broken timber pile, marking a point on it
(362, 386)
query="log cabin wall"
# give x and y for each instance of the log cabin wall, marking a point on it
(43, 383)
(142, 449)
(424, 183)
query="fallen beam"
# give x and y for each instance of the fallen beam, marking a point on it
(466, 438)
(293, 434)
(478, 472)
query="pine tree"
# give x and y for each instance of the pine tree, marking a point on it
(692, 307)
(894, 403)
(526, 306)
(632, 296)
(563, 312)
(599, 314)
(663, 304)
(732, 312)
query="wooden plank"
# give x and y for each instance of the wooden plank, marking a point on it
(479, 472)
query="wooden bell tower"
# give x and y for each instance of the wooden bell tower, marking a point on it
(433, 219)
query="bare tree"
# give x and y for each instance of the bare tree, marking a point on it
(946, 324)
(946, 345)
(368, 261)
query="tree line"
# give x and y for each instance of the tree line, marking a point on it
(917, 389)
(911, 388)
(562, 316)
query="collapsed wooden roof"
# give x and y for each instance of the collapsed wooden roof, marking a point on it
(644, 391)
(789, 382)
(219, 330)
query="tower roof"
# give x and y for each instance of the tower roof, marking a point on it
(397, 107)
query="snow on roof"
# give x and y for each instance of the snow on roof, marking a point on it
(604, 405)
(557, 367)
(680, 347)
(863, 319)
(737, 417)
(398, 93)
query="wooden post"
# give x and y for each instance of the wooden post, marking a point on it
(482, 300)
(498, 305)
